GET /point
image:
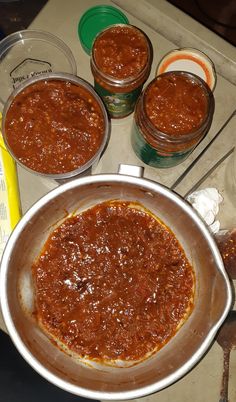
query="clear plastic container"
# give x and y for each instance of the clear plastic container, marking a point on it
(171, 119)
(120, 62)
(29, 53)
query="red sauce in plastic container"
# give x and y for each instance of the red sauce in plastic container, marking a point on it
(113, 283)
(55, 126)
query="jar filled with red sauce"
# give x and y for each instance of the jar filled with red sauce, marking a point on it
(172, 116)
(120, 62)
(55, 125)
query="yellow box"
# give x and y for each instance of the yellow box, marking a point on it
(10, 209)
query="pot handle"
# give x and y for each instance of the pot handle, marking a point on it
(131, 170)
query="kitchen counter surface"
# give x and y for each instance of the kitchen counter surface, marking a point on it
(163, 23)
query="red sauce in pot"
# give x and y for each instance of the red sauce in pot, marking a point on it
(176, 104)
(121, 51)
(227, 246)
(113, 283)
(54, 126)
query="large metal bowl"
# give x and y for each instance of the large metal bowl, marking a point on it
(179, 355)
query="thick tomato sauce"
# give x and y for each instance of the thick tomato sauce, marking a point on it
(121, 52)
(113, 283)
(227, 246)
(175, 104)
(54, 126)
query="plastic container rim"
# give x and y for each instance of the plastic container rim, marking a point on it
(36, 34)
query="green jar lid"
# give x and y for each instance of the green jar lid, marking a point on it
(94, 20)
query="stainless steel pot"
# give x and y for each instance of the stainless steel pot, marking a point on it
(179, 355)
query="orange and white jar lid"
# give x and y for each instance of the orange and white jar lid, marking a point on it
(190, 60)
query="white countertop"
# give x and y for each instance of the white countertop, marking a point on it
(61, 18)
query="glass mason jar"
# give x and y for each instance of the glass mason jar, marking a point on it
(120, 62)
(171, 117)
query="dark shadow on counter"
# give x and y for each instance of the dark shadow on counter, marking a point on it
(20, 383)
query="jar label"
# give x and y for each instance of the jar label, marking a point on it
(118, 104)
(151, 156)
